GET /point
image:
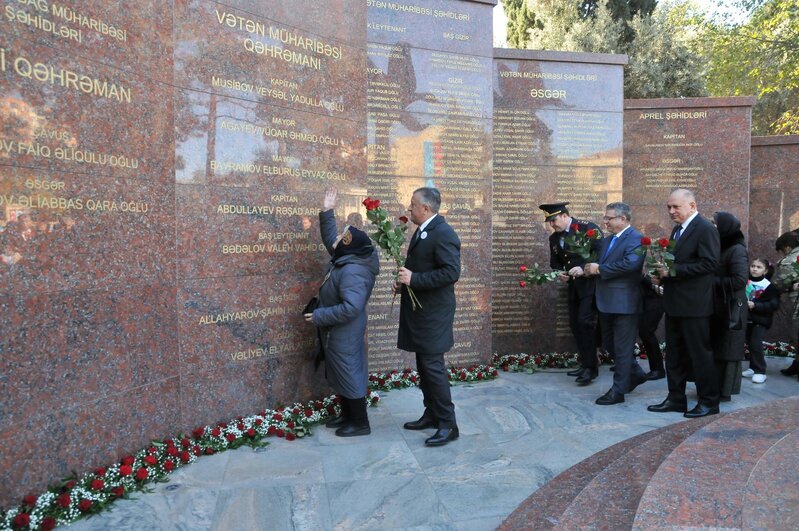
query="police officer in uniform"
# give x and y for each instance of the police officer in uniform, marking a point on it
(582, 310)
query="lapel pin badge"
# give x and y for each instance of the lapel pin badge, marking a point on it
(423, 235)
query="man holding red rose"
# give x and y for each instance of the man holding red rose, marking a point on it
(582, 313)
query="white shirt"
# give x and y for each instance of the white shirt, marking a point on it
(424, 225)
(687, 222)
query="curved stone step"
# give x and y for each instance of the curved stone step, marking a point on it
(771, 500)
(703, 482)
(543, 509)
(610, 500)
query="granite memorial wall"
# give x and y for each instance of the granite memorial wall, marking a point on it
(557, 137)
(701, 144)
(774, 207)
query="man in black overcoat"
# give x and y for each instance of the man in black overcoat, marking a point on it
(582, 310)
(431, 269)
(688, 301)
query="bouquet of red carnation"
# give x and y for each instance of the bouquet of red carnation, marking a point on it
(535, 275)
(657, 256)
(389, 237)
(582, 243)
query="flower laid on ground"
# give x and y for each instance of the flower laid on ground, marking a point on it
(583, 244)
(535, 276)
(386, 381)
(640, 351)
(780, 349)
(389, 237)
(533, 362)
(657, 256)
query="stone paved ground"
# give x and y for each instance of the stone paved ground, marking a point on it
(517, 432)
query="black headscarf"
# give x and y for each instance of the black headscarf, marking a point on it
(353, 241)
(729, 228)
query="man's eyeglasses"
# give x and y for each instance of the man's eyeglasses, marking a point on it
(605, 218)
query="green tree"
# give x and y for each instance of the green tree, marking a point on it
(520, 19)
(759, 56)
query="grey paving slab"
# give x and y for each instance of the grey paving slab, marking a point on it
(517, 433)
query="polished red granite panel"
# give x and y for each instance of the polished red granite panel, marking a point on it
(85, 232)
(697, 143)
(557, 137)
(771, 500)
(132, 36)
(721, 458)
(67, 114)
(774, 206)
(75, 437)
(231, 52)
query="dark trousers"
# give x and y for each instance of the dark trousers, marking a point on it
(688, 344)
(434, 383)
(582, 321)
(618, 335)
(650, 319)
(754, 338)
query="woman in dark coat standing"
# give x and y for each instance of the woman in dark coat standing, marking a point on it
(729, 286)
(341, 317)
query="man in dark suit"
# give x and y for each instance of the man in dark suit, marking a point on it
(619, 300)
(688, 301)
(431, 269)
(582, 314)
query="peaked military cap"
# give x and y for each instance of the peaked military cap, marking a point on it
(553, 209)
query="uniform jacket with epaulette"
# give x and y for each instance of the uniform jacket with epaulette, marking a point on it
(560, 258)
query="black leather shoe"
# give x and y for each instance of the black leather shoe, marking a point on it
(575, 372)
(587, 376)
(667, 406)
(656, 375)
(442, 437)
(353, 430)
(610, 398)
(792, 370)
(421, 424)
(336, 422)
(725, 399)
(701, 411)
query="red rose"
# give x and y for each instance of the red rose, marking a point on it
(185, 443)
(169, 466)
(209, 451)
(216, 432)
(125, 470)
(290, 436)
(141, 474)
(118, 491)
(646, 241)
(85, 505)
(590, 233)
(403, 219)
(99, 471)
(197, 450)
(22, 520)
(271, 430)
(251, 432)
(63, 500)
(151, 460)
(280, 433)
(258, 422)
(522, 268)
(296, 411)
(663, 242)
(169, 442)
(277, 416)
(129, 460)
(505, 368)
(48, 523)
(230, 437)
(575, 227)
(308, 413)
(522, 283)
(240, 426)
(184, 457)
(413, 378)
(152, 450)
(332, 409)
(70, 484)
(290, 424)
(495, 372)
(479, 375)
(30, 500)
(172, 451)
(198, 432)
(98, 484)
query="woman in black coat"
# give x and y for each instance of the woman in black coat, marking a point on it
(729, 289)
(341, 317)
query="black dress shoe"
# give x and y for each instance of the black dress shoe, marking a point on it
(336, 422)
(421, 424)
(575, 372)
(725, 399)
(587, 376)
(656, 375)
(701, 411)
(792, 370)
(442, 437)
(667, 406)
(353, 430)
(610, 398)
